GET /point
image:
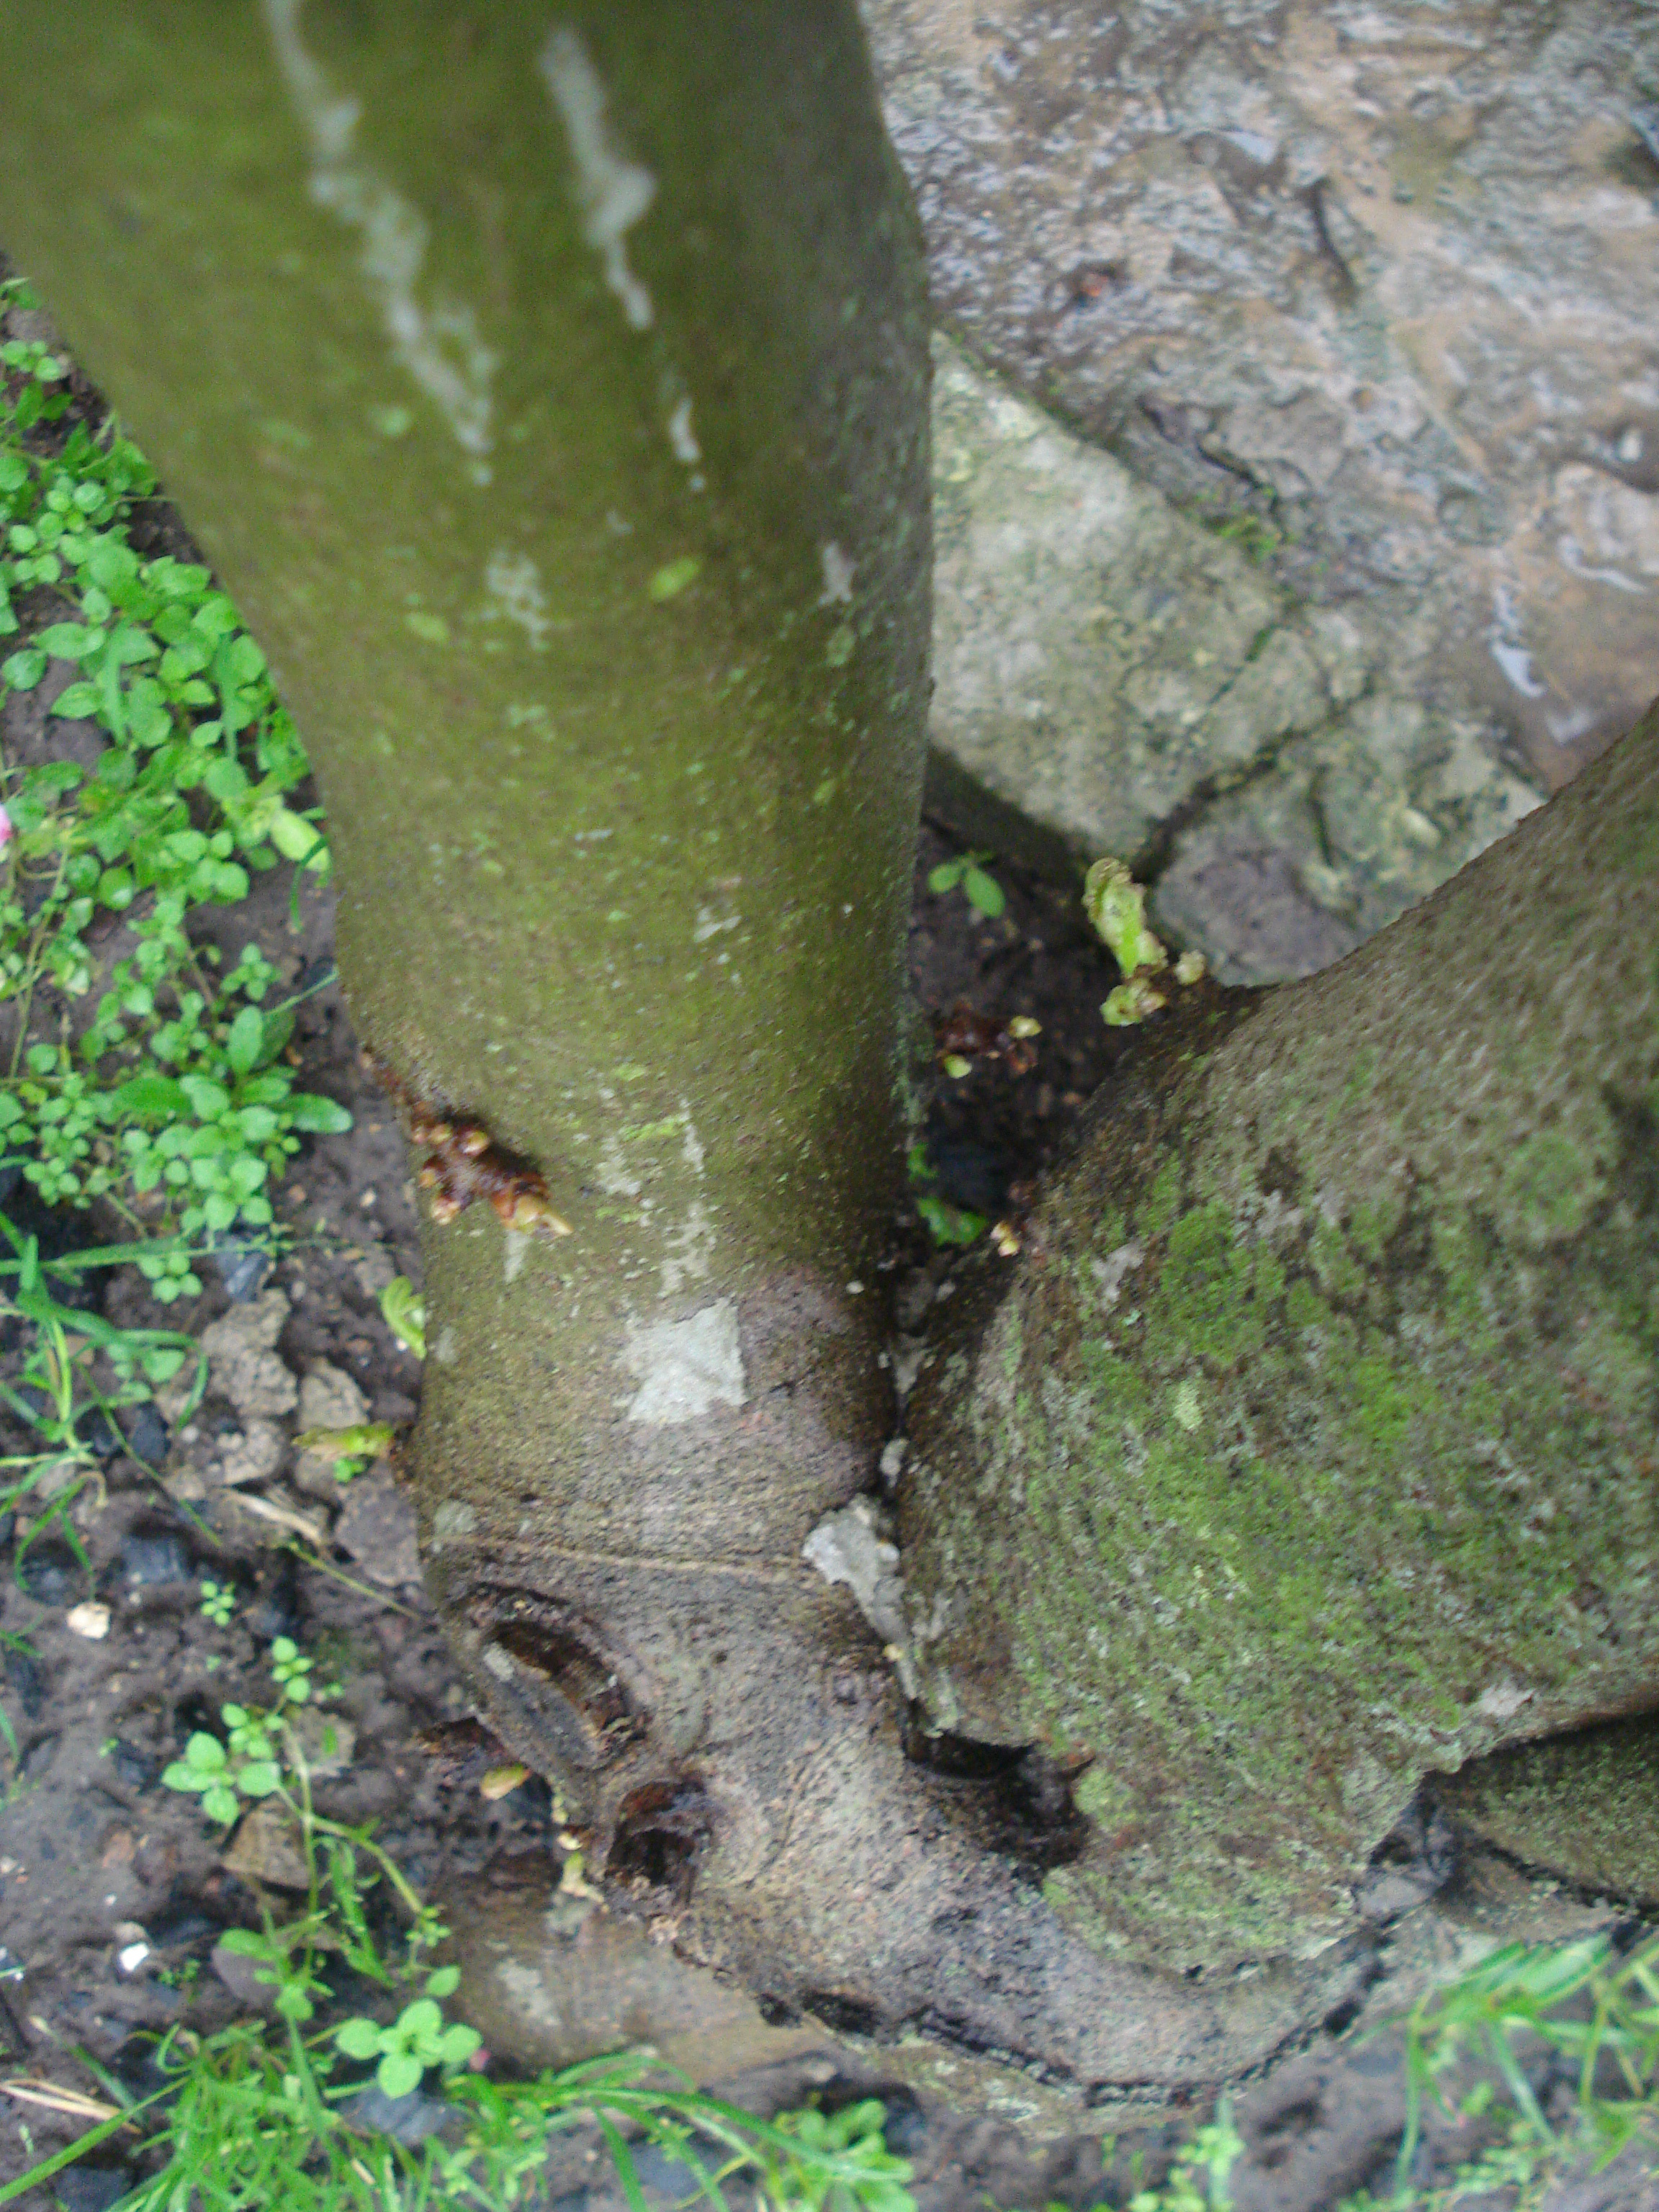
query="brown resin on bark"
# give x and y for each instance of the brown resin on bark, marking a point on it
(464, 1161)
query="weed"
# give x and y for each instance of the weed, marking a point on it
(57, 1394)
(218, 1601)
(1197, 2179)
(947, 1224)
(10, 1641)
(258, 2114)
(982, 891)
(1598, 2013)
(173, 1102)
(1255, 536)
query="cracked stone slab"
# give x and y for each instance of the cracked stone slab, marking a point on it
(1126, 680)
(1372, 288)
(1346, 829)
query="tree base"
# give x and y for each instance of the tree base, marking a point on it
(730, 1747)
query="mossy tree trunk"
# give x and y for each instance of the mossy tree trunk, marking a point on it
(1318, 1446)
(552, 396)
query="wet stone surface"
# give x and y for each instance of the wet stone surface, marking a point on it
(1371, 291)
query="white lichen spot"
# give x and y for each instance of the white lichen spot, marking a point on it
(682, 437)
(516, 1248)
(455, 1518)
(1185, 1406)
(446, 1350)
(616, 1179)
(837, 575)
(1502, 1701)
(1111, 1272)
(529, 1993)
(1505, 644)
(691, 1150)
(612, 191)
(685, 1368)
(848, 1547)
(512, 586)
(690, 1248)
(437, 341)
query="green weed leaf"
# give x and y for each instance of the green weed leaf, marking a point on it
(319, 1116)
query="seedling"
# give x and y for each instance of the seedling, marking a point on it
(404, 1311)
(982, 891)
(418, 2039)
(947, 1224)
(218, 1601)
(350, 1449)
(1117, 904)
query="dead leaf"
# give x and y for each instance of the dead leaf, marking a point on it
(284, 1519)
(57, 2099)
(266, 1847)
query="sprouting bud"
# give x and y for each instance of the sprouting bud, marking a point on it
(526, 1211)
(1132, 1002)
(1117, 904)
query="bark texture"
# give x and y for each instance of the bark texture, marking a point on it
(550, 391)
(1317, 1444)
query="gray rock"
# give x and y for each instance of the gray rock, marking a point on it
(377, 1526)
(1371, 291)
(251, 1453)
(408, 2119)
(244, 1364)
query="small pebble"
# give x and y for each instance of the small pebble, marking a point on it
(160, 1559)
(89, 1620)
(408, 2120)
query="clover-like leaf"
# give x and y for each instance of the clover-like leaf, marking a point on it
(399, 2073)
(358, 2037)
(456, 2045)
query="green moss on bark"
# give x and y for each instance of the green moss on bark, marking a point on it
(1346, 1472)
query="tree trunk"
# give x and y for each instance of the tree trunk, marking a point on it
(1316, 1446)
(552, 399)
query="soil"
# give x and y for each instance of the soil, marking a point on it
(97, 1859)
